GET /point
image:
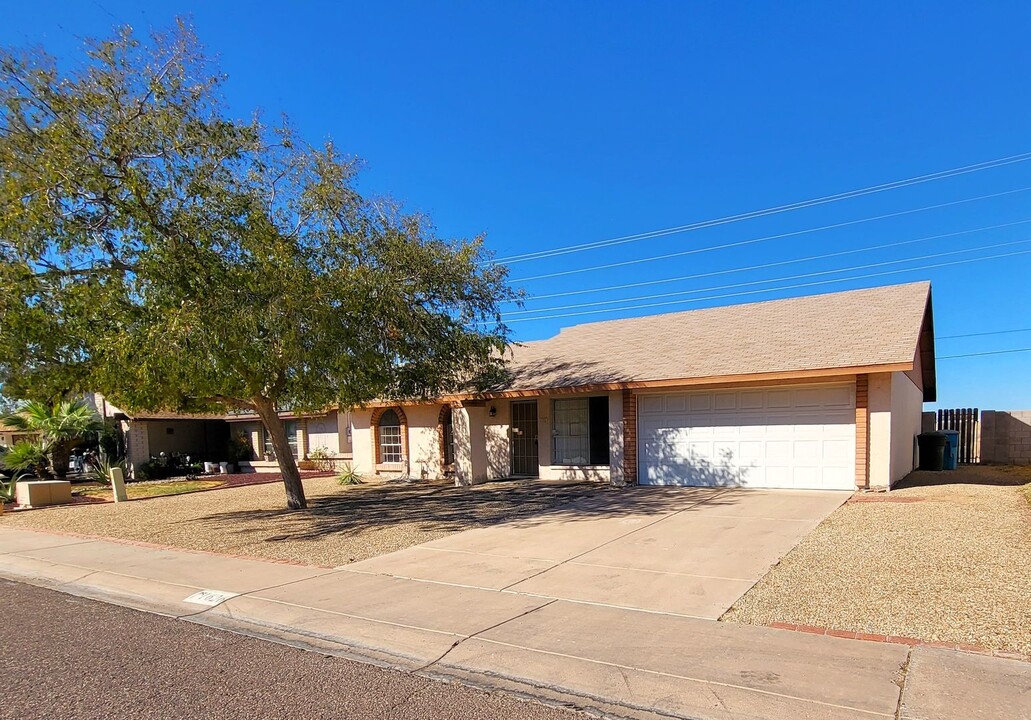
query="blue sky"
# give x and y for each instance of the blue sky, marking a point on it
(547, 125)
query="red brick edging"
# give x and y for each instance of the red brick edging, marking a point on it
(901, 640)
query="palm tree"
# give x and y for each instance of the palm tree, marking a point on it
(61, 427)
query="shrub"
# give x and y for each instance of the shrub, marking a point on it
(239, 449)
(350, 476)
(28, 456)
(320, 459)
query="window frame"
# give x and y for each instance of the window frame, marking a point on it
(595, 435)
(398, 443)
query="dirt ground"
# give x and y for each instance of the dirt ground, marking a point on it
(343, 524)
(946, 557)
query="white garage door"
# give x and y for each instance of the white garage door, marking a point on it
(778, 437)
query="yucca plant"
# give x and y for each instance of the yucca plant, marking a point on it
(349, 476)
(100, 466)
(9, 486)
(61, 427)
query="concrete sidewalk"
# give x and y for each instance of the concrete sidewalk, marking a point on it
(615, 661)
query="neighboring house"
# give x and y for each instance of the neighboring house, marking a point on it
(329, 433)
(9, 436)
(821, 392)
(207, 436)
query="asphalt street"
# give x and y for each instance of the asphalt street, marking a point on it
(67, 657)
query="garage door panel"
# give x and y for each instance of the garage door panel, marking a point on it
(779, 437)
(701, 401)
(652, 404)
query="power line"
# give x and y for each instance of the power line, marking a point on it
(565, 250)
(768, 290)
(752, 241)
(992, 352)
(771, 280)
(779, 263)
(981, 334)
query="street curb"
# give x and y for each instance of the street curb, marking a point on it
(436, 670)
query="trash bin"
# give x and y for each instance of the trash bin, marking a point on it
(951, 449)
(932, 450)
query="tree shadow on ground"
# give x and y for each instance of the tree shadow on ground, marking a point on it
(439, 507)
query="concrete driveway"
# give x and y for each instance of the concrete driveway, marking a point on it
(683, 551)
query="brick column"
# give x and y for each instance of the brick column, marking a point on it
(862, 431)
(629, 437)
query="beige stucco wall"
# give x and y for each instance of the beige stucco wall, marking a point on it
(323, 432)
(423, 441)
(498, 431)
(896, 405)
(879, 448)
(361, 441)
(907, 404)
(470, 424)
(423, 459)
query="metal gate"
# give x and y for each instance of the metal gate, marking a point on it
(525, 456)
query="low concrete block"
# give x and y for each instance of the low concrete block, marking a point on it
(38, 493)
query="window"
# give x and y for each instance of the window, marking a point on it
(390, 438)
(291, 428)
(580, 432)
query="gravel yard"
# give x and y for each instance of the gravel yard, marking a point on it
(343, 524)
(944, 558)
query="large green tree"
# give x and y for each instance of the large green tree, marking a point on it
(173, 257)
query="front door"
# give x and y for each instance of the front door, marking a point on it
(525, 457)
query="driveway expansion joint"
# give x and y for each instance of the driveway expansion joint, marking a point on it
(903, 676)
(623, 536)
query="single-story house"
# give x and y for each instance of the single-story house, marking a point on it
(821, 392)
(207, 436)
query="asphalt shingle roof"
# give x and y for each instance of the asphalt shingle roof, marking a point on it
(857, 328)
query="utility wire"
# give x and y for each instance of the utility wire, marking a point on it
(771, 280)
(768, 290)
(752, 241)
(565, 250)
(981, 334)
(992, 352)
(778, 263)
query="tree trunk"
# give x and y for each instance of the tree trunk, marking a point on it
(274, 426)
(60, 456)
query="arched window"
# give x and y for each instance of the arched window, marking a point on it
(390, 451)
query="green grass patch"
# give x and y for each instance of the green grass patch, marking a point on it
(147, 490)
